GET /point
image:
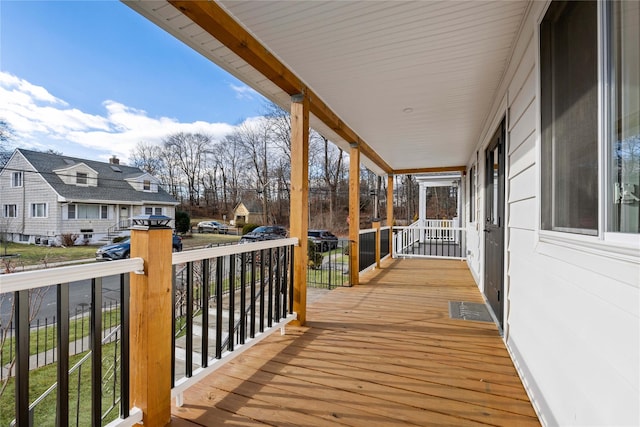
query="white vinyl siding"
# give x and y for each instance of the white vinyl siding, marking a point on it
(572, 302)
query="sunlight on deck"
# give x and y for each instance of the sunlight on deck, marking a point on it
(384, 353)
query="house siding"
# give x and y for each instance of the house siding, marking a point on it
(37, 190)
(571, 314)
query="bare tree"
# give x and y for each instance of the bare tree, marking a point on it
(148, 157)
(189, 151)
(6, 136)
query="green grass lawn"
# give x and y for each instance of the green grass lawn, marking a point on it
(35, 255)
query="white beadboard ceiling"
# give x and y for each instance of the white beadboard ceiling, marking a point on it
(372, 61)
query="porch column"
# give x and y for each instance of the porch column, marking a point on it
(150, 330)
(390, 218)
(299, 202)
(422, 210)
(354, 214)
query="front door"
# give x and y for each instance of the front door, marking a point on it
(494, 223)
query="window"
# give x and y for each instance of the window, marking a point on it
(624, 135)
(81, 178)
(569, 117)
(38, 210)
(88, 212)
(146, 185)
(16, 179)
(150, 210)
(10, 211)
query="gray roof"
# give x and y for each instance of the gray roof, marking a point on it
(111, 183)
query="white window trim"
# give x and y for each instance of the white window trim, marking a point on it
(13, 174)
(611, 244)
(46, 209)
(5, 210)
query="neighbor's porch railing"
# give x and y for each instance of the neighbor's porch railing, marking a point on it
(225, 300)
(444, 240)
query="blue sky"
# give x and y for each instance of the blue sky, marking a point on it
(93, 78)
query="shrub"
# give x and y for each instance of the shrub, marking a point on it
(247, 228)
(315, 256)
(119, 239)
(68, 239)
(183, 222)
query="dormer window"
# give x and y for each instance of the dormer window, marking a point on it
(81, 178)
(146, 185)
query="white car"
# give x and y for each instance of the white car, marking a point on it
(212, 227)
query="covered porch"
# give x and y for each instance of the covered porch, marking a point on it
(383, 353)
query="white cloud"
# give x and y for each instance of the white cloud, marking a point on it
(39, 118)
(244, 92)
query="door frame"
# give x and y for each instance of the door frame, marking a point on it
(493, 225)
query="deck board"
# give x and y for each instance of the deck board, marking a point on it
(384, 353)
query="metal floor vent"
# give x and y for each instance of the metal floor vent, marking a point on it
(469, 311)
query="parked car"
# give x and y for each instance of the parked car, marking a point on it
(265, 232)
(122, 250)
(212, 227)
(323, 239)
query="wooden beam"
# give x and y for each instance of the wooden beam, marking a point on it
(299, 201)
(354, 214)
(215, 21)
(429, 170)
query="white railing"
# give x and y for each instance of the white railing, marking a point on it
(446, 241)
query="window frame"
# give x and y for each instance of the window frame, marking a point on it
(82, 176)
(34, 210)
(604, 242)
(20, 177)
(5, 210)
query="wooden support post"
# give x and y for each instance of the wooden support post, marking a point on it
(390, 218)
(150, 330)
(376, 225)
(299, 201)
(354, 214)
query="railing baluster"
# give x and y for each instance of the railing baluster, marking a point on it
(62, 340)
(277, 287)
(252, 326)
(188, 369)
(270, 288)
(232, 301)
(219, 276)
(21, 301)
(204, 361)
(124, 345)
(243, 301)
(261, 329)
(96, 351)
(291, 262)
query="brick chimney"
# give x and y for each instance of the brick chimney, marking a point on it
(114, 160)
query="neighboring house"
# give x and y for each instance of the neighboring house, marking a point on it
(46, 195)
(248, 213)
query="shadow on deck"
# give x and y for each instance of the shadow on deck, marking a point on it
(384, 353)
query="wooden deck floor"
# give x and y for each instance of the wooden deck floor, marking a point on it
(384, 353)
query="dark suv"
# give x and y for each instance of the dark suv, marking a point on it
(265, 232)
(323, 239)
(122, 250)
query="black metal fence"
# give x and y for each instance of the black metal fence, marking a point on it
(237, 297)
(328, 268)
(367, 249)
(92, 391)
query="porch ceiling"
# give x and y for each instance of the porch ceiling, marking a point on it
(414, 80)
